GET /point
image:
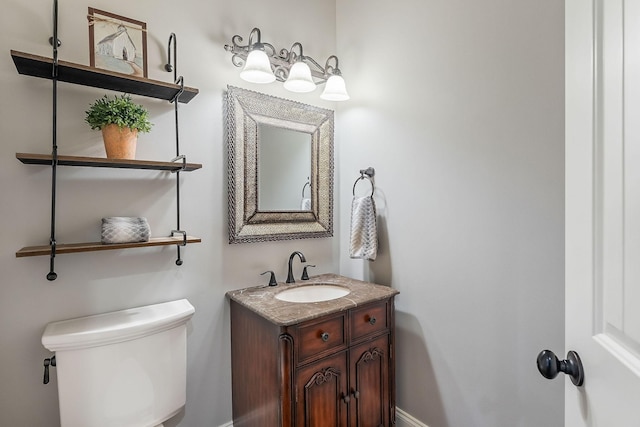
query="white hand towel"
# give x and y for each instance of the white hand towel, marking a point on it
(305, 205)
(364, 233)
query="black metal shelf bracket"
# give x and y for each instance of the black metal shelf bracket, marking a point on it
(172, 66)
(55, 42)
(184, 243)
(173, 41)
(184, 163)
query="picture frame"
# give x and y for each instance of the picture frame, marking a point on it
(116, 43)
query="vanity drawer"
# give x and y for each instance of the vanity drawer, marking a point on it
(321, 336)
(369, 319)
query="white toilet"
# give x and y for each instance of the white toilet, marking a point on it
(121, 369)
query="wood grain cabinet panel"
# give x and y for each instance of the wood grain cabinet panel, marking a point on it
(321, 388)
(369, 319)
(319, 337)
(369, 383)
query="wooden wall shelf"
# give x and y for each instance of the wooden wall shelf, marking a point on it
(99, 162)
(68, 248)
(63, 71)
(40, 66)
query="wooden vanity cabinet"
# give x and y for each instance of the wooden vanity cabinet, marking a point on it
(333, 371)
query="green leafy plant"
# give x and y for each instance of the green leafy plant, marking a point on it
(121, 111)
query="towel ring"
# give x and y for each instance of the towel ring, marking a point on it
(306, 184)
(373, 187)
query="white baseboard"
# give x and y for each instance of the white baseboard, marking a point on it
(402, 420)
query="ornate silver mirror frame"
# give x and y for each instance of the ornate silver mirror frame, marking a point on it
(245, 111)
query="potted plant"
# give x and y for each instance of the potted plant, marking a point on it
(120, 120)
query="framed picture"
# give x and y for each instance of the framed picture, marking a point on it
(117, 43)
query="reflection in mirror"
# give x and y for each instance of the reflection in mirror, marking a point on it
(256, 212)
(284, 169)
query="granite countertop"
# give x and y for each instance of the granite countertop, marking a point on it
(262, 300)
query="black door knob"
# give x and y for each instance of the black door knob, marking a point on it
(549, 366)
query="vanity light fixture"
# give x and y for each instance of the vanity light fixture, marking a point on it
(300, 73)
(257, 68)
(299, 79)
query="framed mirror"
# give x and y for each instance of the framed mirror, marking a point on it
(280, 168)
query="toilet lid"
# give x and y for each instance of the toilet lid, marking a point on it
(117, 326)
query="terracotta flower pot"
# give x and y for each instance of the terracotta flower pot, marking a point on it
(119, 143)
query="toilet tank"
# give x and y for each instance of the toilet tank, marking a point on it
(124, 368)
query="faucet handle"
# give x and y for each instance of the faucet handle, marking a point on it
(272, 279)
(305, 276)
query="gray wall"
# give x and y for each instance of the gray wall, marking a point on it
(91, 283)
(469, 164)
(459, 107)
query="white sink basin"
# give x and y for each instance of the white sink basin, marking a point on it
(312, 293)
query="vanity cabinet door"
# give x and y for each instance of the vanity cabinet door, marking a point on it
(369, 383)
(321, 389)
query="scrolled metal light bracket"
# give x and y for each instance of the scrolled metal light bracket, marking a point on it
(281, 60)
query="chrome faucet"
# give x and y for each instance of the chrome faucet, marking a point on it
(290, 278)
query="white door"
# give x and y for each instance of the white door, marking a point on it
(603, 210)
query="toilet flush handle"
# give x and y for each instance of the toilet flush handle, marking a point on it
(48, 362)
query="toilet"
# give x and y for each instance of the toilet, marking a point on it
(121, 369)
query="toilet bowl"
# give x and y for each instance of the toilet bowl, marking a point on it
(123, 368)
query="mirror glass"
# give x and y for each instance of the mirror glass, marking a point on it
(284, 169)
(280, 168)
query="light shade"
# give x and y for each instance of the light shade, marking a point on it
(335, 89)
(257, 68)
(300, 78)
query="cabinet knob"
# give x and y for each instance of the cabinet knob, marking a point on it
(346, 398)
(325, 336)
(372, 320)
(356, 393)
